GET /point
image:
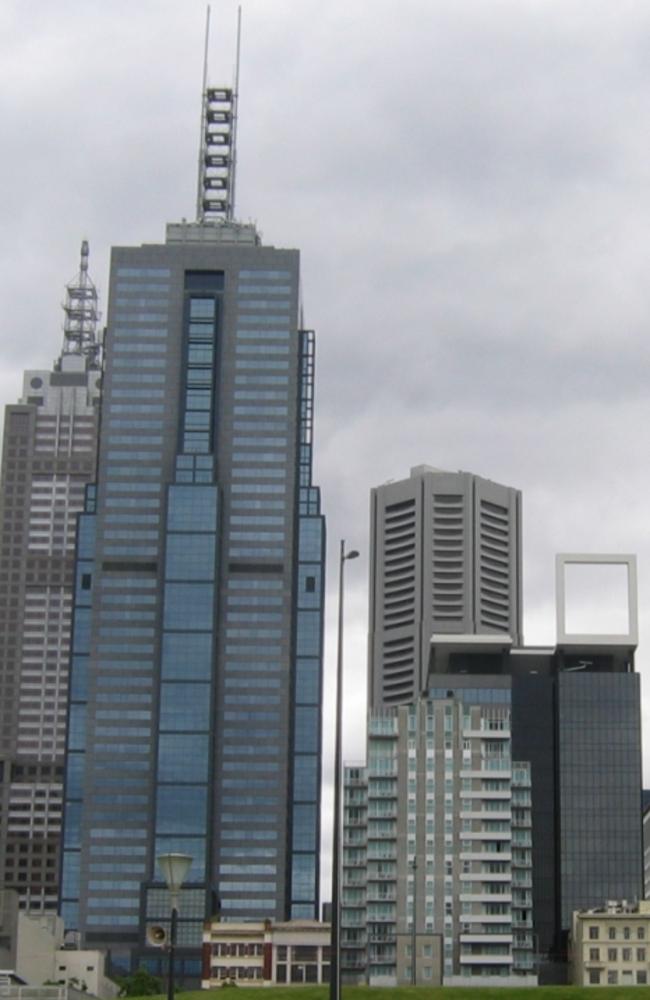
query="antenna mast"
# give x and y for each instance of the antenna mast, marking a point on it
(81, 313)
(217, 151)
(235, 116)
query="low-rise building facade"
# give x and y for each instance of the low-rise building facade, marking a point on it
(264, 953)
(611, 946)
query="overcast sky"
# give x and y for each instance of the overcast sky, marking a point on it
(469, 184)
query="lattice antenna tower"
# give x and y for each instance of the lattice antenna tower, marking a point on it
(81, 313)
(215, 200)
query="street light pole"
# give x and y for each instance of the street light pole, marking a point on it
(414, 867)
(174, 868)
(335, 943)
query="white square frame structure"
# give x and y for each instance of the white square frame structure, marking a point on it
(564, 638)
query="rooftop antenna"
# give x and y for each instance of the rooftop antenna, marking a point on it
(215, 201)
(81, 313)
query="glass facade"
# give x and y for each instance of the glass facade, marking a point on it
(196, 715)
(599, 769)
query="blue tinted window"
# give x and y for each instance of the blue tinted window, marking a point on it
(81, 633)
(192, 508)
(311, 539)
(86, 536)
(70, 913)
(304, 828)
(77, 728)
(74, 775)
(305, 777)
(307, 729)
(200, 354)
(308, 633)
(187, 656)
(303, 877)
(197, 419)
(79, 678)
(72, 824)
(309, 585)
(181, 809)
(190, 557)
(260, 273)
(202, 308)
(185, 707)
(182, 757)
(189, 606)
(307, 681)
(70, 878)
(145, 272)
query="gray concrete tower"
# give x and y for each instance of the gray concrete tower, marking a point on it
(445, 559)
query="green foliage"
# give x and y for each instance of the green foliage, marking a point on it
(427, 993)
(139, 984)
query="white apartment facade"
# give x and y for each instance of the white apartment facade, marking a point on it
(437, 824)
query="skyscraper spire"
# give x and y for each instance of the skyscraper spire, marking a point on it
(81, 313)
(215, 200)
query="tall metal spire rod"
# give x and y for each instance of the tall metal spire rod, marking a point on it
(235, 116)
(218, 145)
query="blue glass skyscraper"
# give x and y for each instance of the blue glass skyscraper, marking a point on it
(195, 707)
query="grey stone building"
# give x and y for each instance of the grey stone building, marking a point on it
(48, 457)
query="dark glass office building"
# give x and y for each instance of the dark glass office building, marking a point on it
(575, 715)
(195, 711)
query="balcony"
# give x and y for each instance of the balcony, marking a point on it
(382, 727)
(476, 937)
(357, 863)
(485, 877)
(485, 958)
(383, 813)
(352, 964)
(486, 897)
(487, 734)
(485, 855)
(491, 768)
(504, 815)
(384, 897)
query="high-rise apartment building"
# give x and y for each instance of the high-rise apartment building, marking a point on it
(195, 712)
(437, 847)
(445, 557)
(48, 458)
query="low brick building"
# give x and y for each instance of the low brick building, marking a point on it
(265, 953)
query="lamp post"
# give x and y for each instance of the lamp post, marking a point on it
(335, 944)
(414, 942)
(174, 868)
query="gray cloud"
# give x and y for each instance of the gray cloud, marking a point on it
(469, 185)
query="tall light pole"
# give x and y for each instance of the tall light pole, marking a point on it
(335, 944)
(414, 940)
(174, 868)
